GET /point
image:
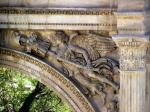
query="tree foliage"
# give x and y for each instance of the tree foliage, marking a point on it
(22, 93)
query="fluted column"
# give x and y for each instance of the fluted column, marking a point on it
(133, 27)
(132, 58)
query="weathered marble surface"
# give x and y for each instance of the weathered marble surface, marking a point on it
(86, 59)
(133, 5)
(55, 18)
(131, 21)
(59, 3)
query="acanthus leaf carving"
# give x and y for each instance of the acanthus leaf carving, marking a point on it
(132, 53)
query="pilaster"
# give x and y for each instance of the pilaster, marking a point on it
(132, 58)
(133, 25)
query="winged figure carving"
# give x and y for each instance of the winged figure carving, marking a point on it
(80, 57)
(95, 45)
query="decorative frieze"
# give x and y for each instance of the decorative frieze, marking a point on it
(58, 24)
(69, 11)
(55, 18)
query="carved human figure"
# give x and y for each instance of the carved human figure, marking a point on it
(66, 51)
(83, 63)
(80, 58)
(94, 87)
(35, 43)
(39, 45)
(100, 75)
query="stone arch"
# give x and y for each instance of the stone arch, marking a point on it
(47, 75)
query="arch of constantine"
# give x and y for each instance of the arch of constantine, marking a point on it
(94, 54)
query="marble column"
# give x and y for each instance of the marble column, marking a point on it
(132, 58)
(133, 25)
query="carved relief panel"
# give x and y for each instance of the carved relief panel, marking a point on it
(83, 57)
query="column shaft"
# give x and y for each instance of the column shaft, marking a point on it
(132, 92)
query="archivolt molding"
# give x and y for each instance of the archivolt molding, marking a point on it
(44, 67)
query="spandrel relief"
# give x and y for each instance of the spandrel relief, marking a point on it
(78, 56)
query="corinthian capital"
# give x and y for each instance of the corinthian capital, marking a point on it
(132, 51)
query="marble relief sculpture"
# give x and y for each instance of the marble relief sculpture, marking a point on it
(77, 47)
(80, 59)
(34, 43)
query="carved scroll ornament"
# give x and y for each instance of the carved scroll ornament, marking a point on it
(79, 57)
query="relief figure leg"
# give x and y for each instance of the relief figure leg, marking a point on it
(102, 78)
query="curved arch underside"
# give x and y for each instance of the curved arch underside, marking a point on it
(47, 75)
